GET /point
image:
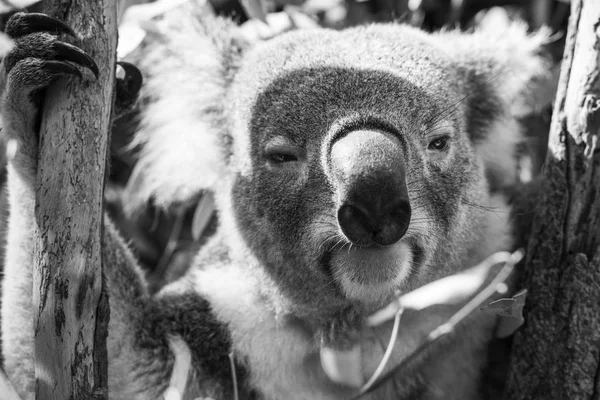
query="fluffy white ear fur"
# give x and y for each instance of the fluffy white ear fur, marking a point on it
(512, 64)
(186, 68)
(507, 55)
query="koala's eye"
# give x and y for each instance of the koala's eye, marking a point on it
(280, 150)
(439, 144)
(279, 158)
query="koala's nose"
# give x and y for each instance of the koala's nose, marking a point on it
(368, 171)
(366, 224)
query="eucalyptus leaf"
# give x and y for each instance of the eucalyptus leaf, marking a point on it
(9, 5)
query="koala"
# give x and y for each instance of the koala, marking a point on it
(347, 167)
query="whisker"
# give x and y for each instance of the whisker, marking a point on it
(483, 207)
(349, 247)
(454, 107)
(422, 220)
(419, 196)
(438, 128)
(428, 233)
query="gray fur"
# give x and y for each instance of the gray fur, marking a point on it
(261, 288)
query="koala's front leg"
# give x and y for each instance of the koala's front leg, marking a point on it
(37, 58)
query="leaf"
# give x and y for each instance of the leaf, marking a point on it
(8, 392)
(510, 313)
(343, 367)
(9, 5)
(204, 211)
(131, 36)
(137, 21)
(255, 9)
(453, 289)
(6, 44)
(509, 307)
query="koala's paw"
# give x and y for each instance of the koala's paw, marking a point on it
(37, 58)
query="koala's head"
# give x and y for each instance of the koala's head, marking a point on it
(353, 162)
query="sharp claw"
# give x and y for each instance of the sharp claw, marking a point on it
(25, 23)
(59, 67)
(65, 51)
(133, 77)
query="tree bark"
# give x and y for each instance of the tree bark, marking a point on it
(556, 354)
(71, 303)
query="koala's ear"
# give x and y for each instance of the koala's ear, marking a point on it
(502, 68)
(183, 138)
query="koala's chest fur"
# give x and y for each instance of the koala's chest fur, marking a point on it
(282, 353)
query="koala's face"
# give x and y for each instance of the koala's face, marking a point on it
(355, 162)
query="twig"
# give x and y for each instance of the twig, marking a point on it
(447, 327)
(181, 368)
(233, 377)
(386, 355)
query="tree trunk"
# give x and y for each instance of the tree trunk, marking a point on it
(71, 321)
(556, 354)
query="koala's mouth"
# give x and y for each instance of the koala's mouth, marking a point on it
(371, 275)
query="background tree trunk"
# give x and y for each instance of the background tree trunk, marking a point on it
(556, 354)
(71, 321)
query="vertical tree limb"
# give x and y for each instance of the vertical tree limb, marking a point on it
(71, 318)
(556, 354)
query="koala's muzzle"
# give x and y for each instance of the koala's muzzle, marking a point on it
(368, 171)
